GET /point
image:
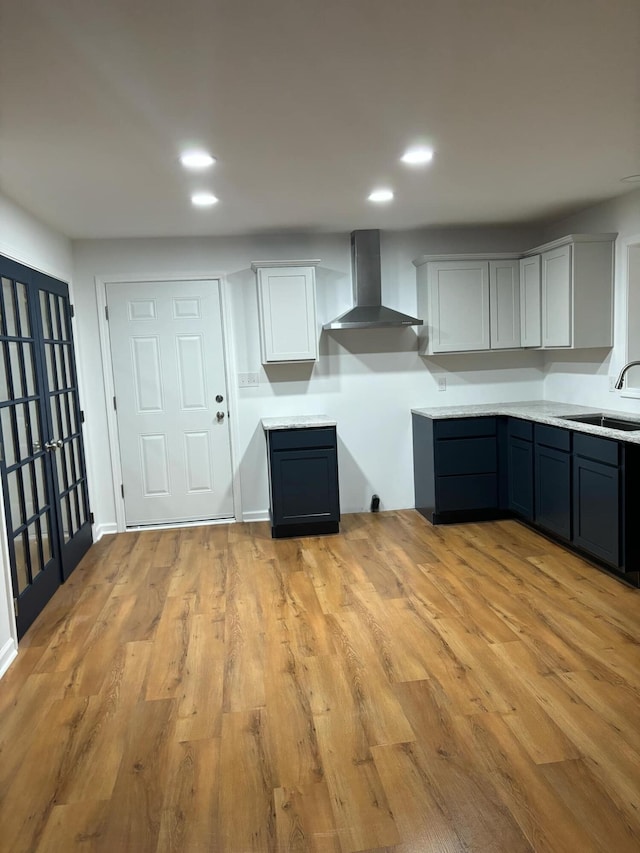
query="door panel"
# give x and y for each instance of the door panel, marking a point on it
(63, 410)
(168, 370)
(33, 407)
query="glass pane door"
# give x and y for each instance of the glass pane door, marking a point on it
(64, 422)
(26, 472)
(42, 463)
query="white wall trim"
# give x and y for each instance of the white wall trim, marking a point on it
(8, 653)
(101, 283)
(100, 530)
(256, 515)
(26, 260)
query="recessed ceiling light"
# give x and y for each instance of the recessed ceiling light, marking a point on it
(381, 195)
(197, 159)
(631, 179)
(417, 156)
(203, 199)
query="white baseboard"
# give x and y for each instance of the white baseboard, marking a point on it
(100, 530)
(8, 654)
(256, 515)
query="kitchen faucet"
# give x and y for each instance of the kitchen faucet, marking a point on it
(621, 375)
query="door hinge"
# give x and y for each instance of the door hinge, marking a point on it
(122, 488)
(15, 607)
(72, 309)
(106, 312)
(91, 518)
(114, 404)
(81, 416)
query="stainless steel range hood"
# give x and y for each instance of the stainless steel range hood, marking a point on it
(368, 312)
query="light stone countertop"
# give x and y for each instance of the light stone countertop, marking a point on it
(542, 411)
(297, 422)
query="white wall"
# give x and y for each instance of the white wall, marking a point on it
(367, 380)
(583, 377)
(30, 242)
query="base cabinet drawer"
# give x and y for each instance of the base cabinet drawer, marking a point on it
(467, 492)
(467, 456)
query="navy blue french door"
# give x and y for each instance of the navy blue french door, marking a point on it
(42, 463)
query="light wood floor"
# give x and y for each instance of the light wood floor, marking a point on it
(397, 687)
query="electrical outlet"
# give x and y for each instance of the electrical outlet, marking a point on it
(442, 384)
(248, 380)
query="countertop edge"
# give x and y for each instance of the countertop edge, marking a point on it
(297, 422)
(542, 411)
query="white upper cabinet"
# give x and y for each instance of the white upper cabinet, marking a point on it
(530, 302)
(456, 305)
(559, 295)
(556, 297)
(577, 292)
(469, 305)
(504, 303)
(287, 310)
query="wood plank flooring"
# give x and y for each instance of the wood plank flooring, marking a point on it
(397, 687)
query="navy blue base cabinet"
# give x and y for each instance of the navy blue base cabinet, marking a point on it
(552, 467)
(456, 469)
(577, 488)
(519, 463)
(597, 498)
(303, 481)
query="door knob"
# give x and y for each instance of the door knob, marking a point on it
(220, 416)
(50, 445)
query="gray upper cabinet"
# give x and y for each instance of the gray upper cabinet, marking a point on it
(471, 305)
(577, 292)
(456, 301)
(530, 302)
(287, 310)
(504, 304)
(556, 296)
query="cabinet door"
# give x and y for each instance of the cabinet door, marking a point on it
(520, 476)
(458, 305)
(553, 490)
(557, 298)
(287, 306)
(530, 299)
(596, 509)
(304, 486)
(504, 304)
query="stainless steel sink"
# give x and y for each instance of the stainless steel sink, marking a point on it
(602, 420)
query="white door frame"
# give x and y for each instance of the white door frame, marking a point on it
(109, 386)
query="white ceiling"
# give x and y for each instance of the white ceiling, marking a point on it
(533, 109)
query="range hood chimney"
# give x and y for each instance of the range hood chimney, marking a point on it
(368, 311)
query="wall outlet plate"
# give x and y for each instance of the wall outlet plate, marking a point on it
(248, 380)
(442, 384)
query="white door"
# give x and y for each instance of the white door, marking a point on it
(171, 400)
